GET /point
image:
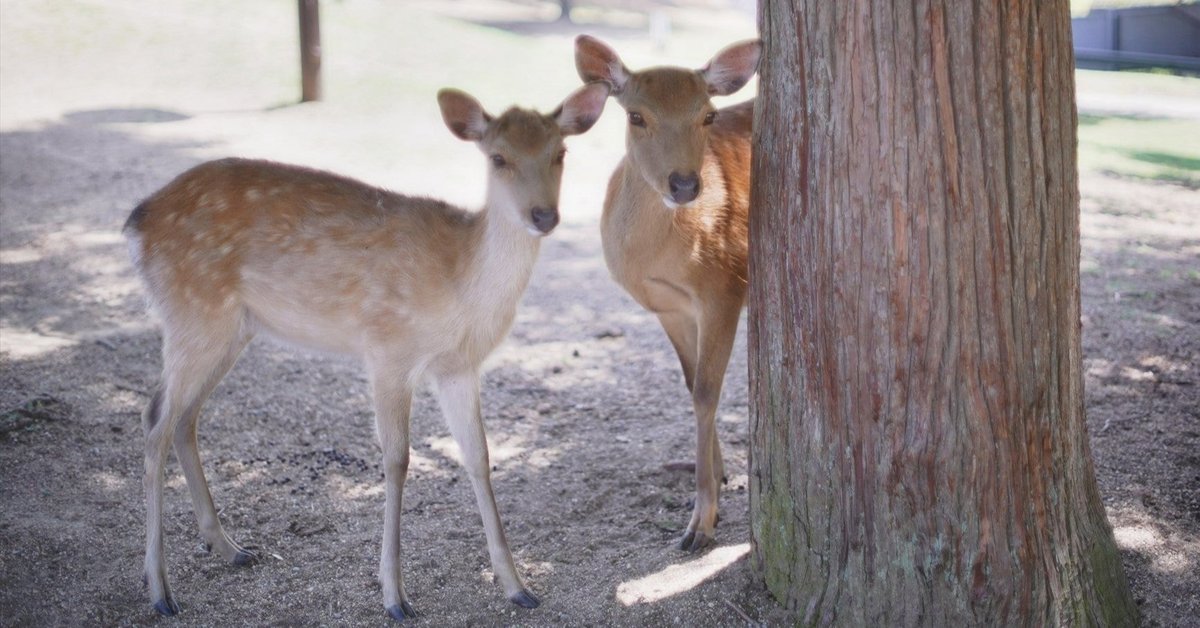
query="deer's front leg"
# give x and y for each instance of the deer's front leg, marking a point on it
(393, 404)
(717, 331)
(458, 395)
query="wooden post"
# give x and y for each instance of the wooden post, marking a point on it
(310, 51)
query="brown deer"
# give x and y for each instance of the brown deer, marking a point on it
(674, 225)
(413, 287)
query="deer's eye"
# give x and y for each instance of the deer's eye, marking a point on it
(498, 161)
(710, 118)
(636, 119)
(558, 158)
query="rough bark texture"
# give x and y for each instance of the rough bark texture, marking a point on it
(919, 452)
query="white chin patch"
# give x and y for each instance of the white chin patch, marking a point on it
(534, 231)
(673, 205)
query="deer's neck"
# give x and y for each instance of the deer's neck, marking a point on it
(501, 260)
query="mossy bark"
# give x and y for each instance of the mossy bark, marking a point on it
(918, 448)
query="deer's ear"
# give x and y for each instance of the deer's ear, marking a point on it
(595, 61)
(732, 67)
(582, 108)
(464, 116)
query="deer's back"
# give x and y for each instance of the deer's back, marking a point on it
(312, 254)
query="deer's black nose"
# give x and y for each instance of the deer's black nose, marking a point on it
(684, 188)
(545, 219)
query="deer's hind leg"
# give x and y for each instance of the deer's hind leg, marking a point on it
(188, 454)
(197, 351)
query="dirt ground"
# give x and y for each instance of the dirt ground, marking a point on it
(583, 405)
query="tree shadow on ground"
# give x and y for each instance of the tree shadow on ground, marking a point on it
(136, 115)
(1173, 160)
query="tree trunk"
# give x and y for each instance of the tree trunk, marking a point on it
(918, 446)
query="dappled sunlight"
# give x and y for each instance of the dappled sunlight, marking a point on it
(101, 255)
(25, 344)
(593, 370)
(352, 490)
(446, 446)
(417, 462)
(1147, 369)
(94, 238)
(1136, 375)
(1169, 554)
(540, 458)
(1136, 537)
(1164, 364)
(1103, 225)
(1166, 320)
(503, 449)
(22, 344)
(20, 255)
(113, 483)
(97, 261)
(547, 362)
(675, 579)
(536, 568)
(733, 417)
(238, 473)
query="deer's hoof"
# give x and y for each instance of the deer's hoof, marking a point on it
(695, 541)
(402, 611)
(167, 606)
(246, 556)
(525, 599)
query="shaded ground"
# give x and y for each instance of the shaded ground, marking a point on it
(583, 404)
(1141, 346)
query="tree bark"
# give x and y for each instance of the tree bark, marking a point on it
(918, 447)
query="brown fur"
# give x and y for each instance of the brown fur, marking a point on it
(414, 287)
(686, 263)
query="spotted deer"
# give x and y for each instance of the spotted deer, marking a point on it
(415, 288)
(674, 225)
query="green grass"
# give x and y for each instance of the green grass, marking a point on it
(1139, 83)
(1137, 146)
(1141, 148)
